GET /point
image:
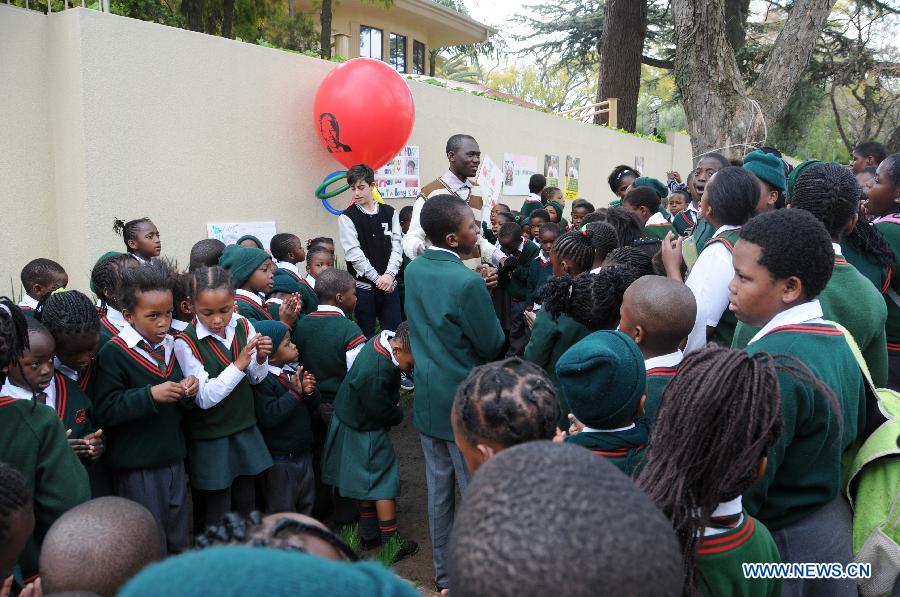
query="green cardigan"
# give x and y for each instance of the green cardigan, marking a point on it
(453, 328)
(251, 310)
(719, 559)
(517, 284)
(657, 380)
(369, 395)
(33, 441)
(538, 274)
(624, 449)
(323, 339)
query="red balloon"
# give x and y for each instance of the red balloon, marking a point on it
(364, 112)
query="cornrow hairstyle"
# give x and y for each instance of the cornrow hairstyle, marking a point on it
(724, 404)
(507, 402)
(68, 314)
(501, 207)
(14, 497)
(872, 149)
(632, 258)
(106, 277)
(627, 225)
(792, 242)
(598, 215)
(604, 239)
(732, 196)
(578, 247)
(866, 239)
(548, 192)
(235, 529)
(181, 286)
(583, 204)
(13, 334)
(541, 214)
(509, 230)
(209, 278)
(360, 172)
(205, 253)
(128, 230)
(319, 241)
(618, 173)
(40, 271)
(401, 334)
(318, 250)
(332, 282)
(549, 227)
(829, 192)
(593, 300)
(281, 245)
(156, 276)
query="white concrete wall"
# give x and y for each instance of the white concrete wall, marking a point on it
(108, 117)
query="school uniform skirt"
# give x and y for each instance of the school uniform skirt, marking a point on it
(216, 463)
(361, 464)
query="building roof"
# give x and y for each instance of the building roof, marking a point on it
(456, 28)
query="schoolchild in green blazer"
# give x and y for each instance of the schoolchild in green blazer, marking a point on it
(518, 252)
(252, 273)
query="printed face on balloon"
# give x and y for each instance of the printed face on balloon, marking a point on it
(466, 159)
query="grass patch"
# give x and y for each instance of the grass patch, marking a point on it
(350, 535)
(388, 553)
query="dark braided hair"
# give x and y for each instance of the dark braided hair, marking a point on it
(604, 239)
(205, 252)
(281, 245)
(508, 402)
(235, 529)
(14, 497)
(725, 405)
(13, 333)
(68, 314)
(209, 278)
(401, 334)
(592, 300)
(618, 173)
(40, 271)
(156, 276)
(628, 226)
(639, 262)
(578, 247)
(318, 241)
(106, 277)
(893, 171)
(128, 230)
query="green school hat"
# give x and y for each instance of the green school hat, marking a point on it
(557, 207)
(273, 329)
(106, 255)
(285, 282)
(603, 378)
(648, 181)
(258, 242)
(767, 167)
(242, 262)
(796, 172)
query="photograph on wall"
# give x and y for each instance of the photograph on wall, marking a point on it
(399, 178)
(573, 165)
(229, 232)
(551, 170)
(517, 170)
(490, 183)
(639, 163)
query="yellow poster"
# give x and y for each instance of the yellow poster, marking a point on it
(573, 165)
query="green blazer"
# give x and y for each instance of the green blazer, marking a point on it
(453, 328)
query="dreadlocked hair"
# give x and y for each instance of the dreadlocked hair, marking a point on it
(578, 247)
(14, 497)
(13, 333)
(281, 245)
(235, 529)
(723, 404)
(401, 334)
(632, 258)
(593, 300)
(106, 277)
(128, 230)
(68, 314)
(209, 278)
(508, 402)
(867, 240)
(604, 239)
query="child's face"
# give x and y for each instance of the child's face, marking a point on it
(361, 191)
(547, 239)
(704, 171)
(510, 244)
(318, 263)
(768, 197)
(77, 352)
(554, 217)
(883, 195)
(464, 239)
(215, 308)
(677, 204)
(57, 280)
(535, 225)
(286, 352)
(35, 368)
(21, 525)
(146, 242)
(404, 357)
(152, 314)
(578, 215)
(859, 162)
(754, 296)
(262, 279)
(404, 225)
(346, 300)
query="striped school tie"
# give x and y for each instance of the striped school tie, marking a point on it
(158, 354)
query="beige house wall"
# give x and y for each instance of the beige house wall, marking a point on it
(108, 117)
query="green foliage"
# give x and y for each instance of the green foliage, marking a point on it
(350, 535)
(554, 89)
(297, 33)
(157, 11)
(388, 553)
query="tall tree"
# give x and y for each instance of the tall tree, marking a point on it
(721, 112)
(621, 47)
(325, 15)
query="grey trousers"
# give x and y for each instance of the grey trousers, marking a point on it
(825, 536)
(443, 462)
(290, 484)
(163, 491)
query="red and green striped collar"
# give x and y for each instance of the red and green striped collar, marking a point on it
(729, 540)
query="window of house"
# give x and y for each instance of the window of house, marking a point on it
(370, 42)
(398, 52)
(418, 58)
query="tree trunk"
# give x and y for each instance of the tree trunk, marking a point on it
(325, 25)
(227, 18)
(432, 62)
(721, 114)
(736, 13)
(621, 46)
(193, 11)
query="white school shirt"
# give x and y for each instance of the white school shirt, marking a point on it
(385, 340)
(353, 352)
(250, 295)
(214, 390)
(673, 359)
(291, 267)
(709, 281)
(587, 429)
(133, 338)
(11, 390)
(65, 369)
(810, 312)
(730, 508)
(656, 219)
(179, 325)
(116, 318)
(311, 281)
(27, 302)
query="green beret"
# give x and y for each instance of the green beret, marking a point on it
(646, 181)
(557, 207)
(284, 281)
(796, 172)
(273, 329)
(242, 262)
(767, 167)
(603, 378)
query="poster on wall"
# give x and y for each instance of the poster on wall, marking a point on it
(639, 163)
(399, 178)
(551, 170)
(517, 169)
(573, 165)
(229, 233)
(490, 182)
